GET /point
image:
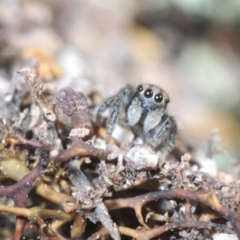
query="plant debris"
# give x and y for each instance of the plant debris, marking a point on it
(66, 180)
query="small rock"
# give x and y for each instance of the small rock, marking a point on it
(141, 157)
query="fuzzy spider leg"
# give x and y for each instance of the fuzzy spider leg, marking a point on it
(114, 114)
(116, 103)
(164, 135)
(105, 105)
(172, 135)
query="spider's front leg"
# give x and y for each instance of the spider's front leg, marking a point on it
(113, 117)
(105, 105)
(163, 136)
(116, 103)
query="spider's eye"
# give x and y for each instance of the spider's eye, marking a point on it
(158, 98)
(148, 93)
(140, 88)
(166, 100)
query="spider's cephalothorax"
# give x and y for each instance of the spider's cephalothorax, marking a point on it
(145, 112)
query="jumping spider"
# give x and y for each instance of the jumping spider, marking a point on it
(145, 112)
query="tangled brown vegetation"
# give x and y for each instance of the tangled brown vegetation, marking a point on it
(61, 179)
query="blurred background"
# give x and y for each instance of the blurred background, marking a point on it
(189, 48)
